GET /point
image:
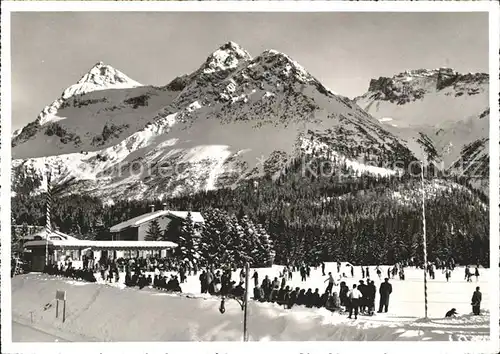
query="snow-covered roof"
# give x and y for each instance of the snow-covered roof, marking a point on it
(141, 219)
(138, 220)
(103, 245)
(54, 235)
(196, 216)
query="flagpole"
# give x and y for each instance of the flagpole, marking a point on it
(424, 238)
(48, 227)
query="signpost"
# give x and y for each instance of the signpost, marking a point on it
(61, 296)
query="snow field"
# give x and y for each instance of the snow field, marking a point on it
(99, 312)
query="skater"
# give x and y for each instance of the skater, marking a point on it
(385, 291)
(379, 272)
(338, 267)
(331, 283)
(362, 272)
(402, 274)
(352, 271)
(447, 275)
(367, 272)
(476, 301)
(476, 273)
(354, 297)
(467, 273)
(302, 274)
(323, 268)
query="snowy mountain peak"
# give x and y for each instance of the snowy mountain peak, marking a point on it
(100, 77)
(228, 56)
(281, 64)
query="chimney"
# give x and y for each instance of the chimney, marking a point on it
(152, 208)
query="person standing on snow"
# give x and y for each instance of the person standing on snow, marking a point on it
(476, 301)
(354, 297)
(363, 301)
(203, 282)
(476, 273)
(283, 282)
(255, 278)
(267, 287)
(372, 291)
(385, 292)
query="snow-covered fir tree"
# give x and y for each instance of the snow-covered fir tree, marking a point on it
(154, 232)
(215, 237)
(189, 239)
(265, 246)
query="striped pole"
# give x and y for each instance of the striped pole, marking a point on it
(424, 239)
(245, 301)
(48, 226)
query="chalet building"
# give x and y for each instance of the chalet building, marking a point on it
(137, 228)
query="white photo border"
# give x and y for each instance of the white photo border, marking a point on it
(490, 346)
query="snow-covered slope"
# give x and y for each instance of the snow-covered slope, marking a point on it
(439, 114)
(235, 117)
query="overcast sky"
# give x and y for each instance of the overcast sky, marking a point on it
(51, 51)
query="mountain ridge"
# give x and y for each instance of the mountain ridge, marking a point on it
(218, 121)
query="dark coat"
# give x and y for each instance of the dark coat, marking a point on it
(476, 298)
(385, 289)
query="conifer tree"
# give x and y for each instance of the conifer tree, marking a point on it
(189, 238)
(154, 232)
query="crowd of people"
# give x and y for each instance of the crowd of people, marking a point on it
(68, 271)
(358, 299)
(168, 274)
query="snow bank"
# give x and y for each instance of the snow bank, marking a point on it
(99, 312)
